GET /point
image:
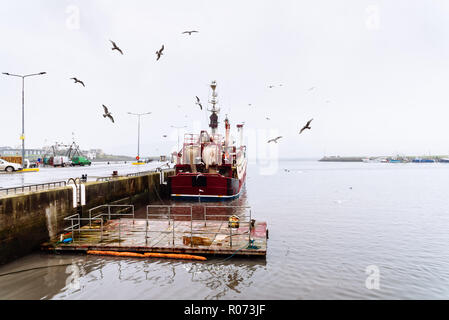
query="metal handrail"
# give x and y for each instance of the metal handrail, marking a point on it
(109, 214)
(136, 174)
(76, 221)
(73, 226)
(133, 174)
(192, 231)
(170, 217)
(106, 178)
(43, 185)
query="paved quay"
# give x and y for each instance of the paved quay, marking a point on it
(93, 172)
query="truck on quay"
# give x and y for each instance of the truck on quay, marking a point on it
(61, 161)
(80, 161)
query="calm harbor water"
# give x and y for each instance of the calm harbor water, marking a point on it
(328, 223)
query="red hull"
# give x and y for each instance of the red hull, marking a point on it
(211, 186)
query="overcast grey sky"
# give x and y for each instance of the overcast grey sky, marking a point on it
(380, 71)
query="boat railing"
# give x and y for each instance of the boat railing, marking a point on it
(191, 138)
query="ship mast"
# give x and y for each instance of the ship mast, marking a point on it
(213, 124)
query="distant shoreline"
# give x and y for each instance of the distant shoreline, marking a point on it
(360, 159)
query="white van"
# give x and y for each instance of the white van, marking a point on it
(9, 166)
(61, 161)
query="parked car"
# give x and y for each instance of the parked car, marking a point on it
(61, 161)
(9, 166)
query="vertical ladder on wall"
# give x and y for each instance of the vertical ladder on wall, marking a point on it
(79, 194)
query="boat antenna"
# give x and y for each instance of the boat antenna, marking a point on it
(213, 124)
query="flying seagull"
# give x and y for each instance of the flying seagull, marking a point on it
(190, 32)
(107, 114)
(307, 126)
(275, 140)
(78, 81)
(159, 53)
(115, 47)
(198, 102)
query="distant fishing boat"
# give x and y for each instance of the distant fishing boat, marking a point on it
(375, 160)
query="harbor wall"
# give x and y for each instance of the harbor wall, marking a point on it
(27, 220)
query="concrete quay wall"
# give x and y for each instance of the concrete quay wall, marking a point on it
(29, 219)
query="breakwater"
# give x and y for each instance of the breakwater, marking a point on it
(27, 220)
(384, 158)
(341, 159)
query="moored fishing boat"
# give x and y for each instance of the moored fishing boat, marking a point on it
(209, 167)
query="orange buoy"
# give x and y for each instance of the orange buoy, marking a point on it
(115, 253)
(147, 254)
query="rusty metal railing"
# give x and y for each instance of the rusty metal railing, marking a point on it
(75, 221)
(245, 218)
(110, 213)
(170, 217)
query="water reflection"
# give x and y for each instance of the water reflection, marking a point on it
(222, 277)
(37, 276)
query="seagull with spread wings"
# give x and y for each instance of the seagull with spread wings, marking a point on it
(107, 113)
(77, 81)
(159, 53)
(190, 32)
(307, 126)
(115, 47)
(275, 140)
(198, 102)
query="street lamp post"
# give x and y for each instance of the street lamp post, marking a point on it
(138, 131)
(178, 134)
(22, 137)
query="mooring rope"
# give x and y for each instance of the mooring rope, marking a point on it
(35, 268)
(248, 246)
